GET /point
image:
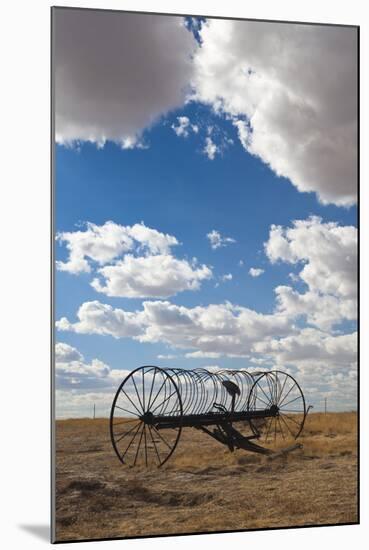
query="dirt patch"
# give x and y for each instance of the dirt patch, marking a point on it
(203, 487)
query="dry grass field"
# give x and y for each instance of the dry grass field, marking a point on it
(204, 487)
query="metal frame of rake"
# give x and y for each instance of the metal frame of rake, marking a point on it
(253, 411)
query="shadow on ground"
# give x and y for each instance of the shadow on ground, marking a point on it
(40, 531)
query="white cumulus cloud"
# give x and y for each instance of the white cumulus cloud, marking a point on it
(327, 254)
(217, 328)
(158, 276)
(64, 353)
(115, 74)
(97, 318)
(311, 346)
(73, 372)
(152, 272)
(256, 271)
(81, 384)
(184, 127)
(202, 355)
(321, 310)
(291, 91)
(217, 240)
(324, 364)
(104, 243)
(210, 148)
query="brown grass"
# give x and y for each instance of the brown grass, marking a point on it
(204, 487)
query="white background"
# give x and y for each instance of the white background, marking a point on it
(25, 258)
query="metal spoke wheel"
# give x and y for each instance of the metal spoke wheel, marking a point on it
(280, 392)
(144, 394)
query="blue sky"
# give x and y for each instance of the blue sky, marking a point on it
(188, 195)
(172, 184)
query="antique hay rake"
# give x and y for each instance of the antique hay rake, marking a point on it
(235, 407)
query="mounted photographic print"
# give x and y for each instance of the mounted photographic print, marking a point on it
(205, 184)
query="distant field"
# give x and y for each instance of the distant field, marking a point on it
(204, 487)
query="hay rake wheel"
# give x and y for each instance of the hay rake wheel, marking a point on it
(241, 410)
(145, 392)
(279, 392)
